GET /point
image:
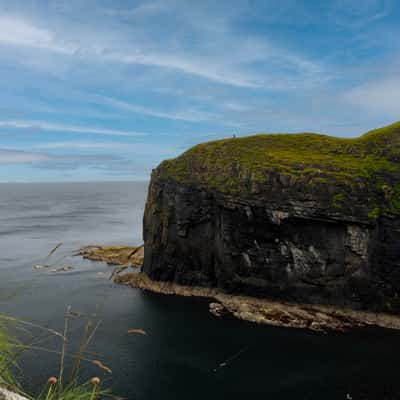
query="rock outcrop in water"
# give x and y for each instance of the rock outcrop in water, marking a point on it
(301, 217)
(114, 255)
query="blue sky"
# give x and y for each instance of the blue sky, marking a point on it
(106, 89)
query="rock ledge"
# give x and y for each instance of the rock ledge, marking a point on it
(317, 318)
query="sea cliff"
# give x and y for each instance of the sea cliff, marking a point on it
(297, 217)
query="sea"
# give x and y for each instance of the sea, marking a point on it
(186, 352)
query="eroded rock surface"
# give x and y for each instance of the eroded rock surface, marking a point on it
(304, 218)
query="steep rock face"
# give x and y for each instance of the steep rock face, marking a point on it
(299, 217)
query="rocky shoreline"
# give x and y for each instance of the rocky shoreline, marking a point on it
(316, 318)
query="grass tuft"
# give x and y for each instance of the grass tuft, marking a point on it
(55, 388)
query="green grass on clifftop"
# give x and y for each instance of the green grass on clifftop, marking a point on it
(223, 163)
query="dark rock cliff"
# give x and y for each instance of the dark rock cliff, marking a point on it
(301, 217)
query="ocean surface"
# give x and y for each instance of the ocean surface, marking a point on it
(180, 356)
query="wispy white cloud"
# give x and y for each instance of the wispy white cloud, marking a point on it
(16, 31)
(191, 115)
(236, 106)
(70, 144)
(48, 126)
(213, 72)
(56, 161)
(228, 63)
(381, 97)
(139, 148)
(10, 156)
(142, 10)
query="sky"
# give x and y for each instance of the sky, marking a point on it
(95, 90)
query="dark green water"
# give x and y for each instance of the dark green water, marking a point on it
(184, 343)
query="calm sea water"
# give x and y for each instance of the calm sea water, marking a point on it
(184, 343)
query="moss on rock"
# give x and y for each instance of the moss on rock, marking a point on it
(237, 165)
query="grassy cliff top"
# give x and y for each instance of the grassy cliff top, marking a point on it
(220, 164)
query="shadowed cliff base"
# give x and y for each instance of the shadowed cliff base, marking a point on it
(314, 317)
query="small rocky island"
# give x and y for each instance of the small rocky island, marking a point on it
(291, 218)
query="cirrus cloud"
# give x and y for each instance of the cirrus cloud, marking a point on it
(49, 126)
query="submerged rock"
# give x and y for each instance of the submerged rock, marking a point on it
(217, 309)
(64, 268)
(307, 218)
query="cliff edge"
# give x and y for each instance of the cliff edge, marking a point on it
(301, 217)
